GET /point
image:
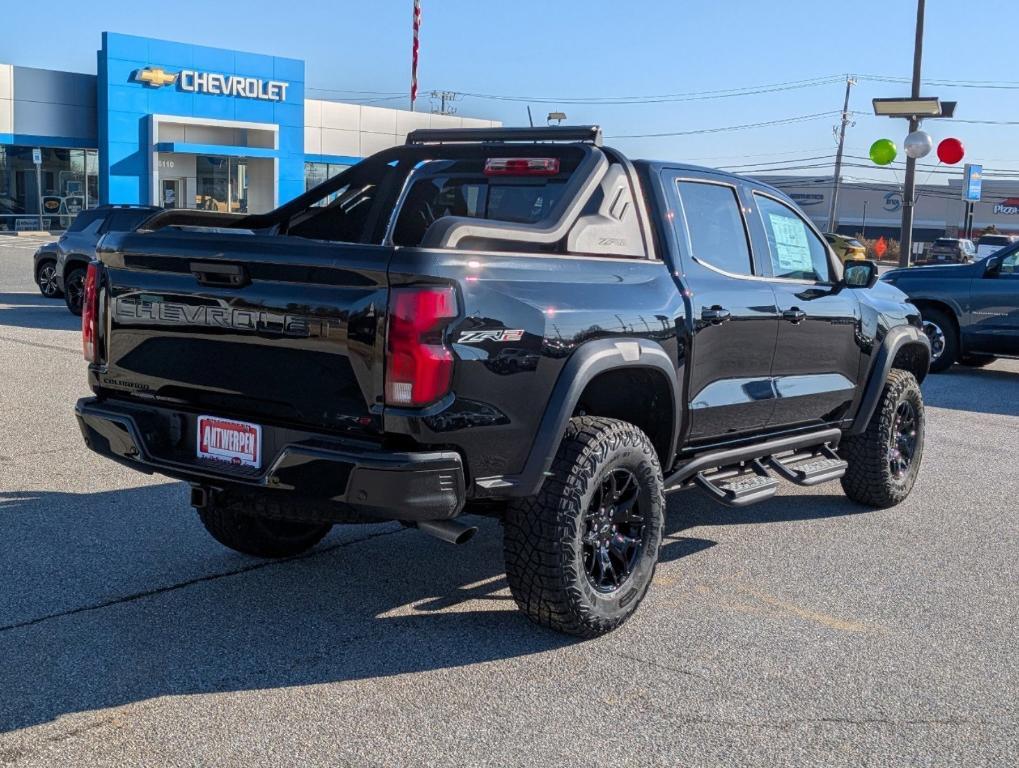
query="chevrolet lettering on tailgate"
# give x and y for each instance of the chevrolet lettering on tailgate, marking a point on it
(144, 311)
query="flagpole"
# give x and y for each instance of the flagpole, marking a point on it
(414, 55)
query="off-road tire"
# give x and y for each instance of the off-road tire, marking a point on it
(976, 361)
(74, 290)
(45, 278)
(947, 325)
(869, 478)
(542, 540)
(232, 525)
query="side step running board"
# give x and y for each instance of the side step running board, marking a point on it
(736, 488)
(726, 458)
(737, 477)
(810, 468)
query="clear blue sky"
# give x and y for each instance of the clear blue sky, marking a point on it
(568, 49)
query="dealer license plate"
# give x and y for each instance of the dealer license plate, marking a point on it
(236, 442)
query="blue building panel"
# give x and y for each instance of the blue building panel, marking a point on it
(174, 73)
(288, 70)
(170, 54)
(253, 65)
(120, 46)
(253, 111)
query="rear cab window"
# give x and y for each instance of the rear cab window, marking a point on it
(520, 186)
(462, 188)
(710, 219)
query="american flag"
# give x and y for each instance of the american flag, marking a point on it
(414, 54)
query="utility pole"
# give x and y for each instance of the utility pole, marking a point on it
(833, 211)
(445, 97)
(909, 186)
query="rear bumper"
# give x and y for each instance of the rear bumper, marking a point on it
(388, 485)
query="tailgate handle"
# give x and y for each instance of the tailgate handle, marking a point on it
(220, 274)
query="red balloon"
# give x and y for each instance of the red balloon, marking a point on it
(951, 151)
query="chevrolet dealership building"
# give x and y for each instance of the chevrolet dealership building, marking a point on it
(179, 126)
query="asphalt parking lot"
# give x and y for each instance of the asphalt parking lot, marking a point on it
(804, 631)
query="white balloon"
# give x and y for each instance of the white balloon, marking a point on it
(918, 144)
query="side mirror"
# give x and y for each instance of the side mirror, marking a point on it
(859, 274)
(992, 266)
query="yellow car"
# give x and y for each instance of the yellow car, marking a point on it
(845, 247)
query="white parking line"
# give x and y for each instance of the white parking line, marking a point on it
(7, 241)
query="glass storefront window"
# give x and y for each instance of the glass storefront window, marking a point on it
(316, 173)
(68, 182)
(222, 184)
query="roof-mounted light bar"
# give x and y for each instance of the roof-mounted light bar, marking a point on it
(584, 133)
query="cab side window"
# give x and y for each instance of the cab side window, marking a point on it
(1010, 265)
(796, 252)
(713, 222)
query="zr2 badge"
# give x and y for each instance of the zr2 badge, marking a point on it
(474, 337)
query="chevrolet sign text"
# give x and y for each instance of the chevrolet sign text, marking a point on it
(232, 85)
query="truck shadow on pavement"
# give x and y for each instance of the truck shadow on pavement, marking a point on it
(114, 598)
(28, 310)
(979, 390)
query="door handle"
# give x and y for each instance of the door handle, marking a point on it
(232, 275)
(715, 315)
(794, 315)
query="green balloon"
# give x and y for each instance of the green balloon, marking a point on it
(883, 151)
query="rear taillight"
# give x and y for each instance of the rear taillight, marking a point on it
(419, 367)
(522, 166)
(90, 314)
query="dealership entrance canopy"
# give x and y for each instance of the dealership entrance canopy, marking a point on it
(177, 125)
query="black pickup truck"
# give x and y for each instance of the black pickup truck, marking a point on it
(513, 322)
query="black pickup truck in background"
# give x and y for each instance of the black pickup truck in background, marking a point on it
(519, 323)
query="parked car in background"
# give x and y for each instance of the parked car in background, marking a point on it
(949, 250)
(988, 245)
(60, 265)
(845, 247)
(970, 311)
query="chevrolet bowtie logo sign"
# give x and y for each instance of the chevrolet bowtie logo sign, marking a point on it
(155, 76)
(214, 83)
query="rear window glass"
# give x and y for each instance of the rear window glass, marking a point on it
(83, 219)
(946, 241)
(126, 220)
(466, 192)
(994, 240)
(712, 217)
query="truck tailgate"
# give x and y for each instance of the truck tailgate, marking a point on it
(258, 327)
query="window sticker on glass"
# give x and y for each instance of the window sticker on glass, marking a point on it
(791, 246)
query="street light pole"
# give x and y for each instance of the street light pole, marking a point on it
(833, 210)
(909, 187)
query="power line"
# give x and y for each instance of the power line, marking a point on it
(666, 97)
(766, 123)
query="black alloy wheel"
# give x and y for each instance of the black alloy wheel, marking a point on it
(74, 290)
(613, 531)
(904, 440)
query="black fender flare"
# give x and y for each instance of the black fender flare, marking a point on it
(895, 341)
(73, 261)
(590, 360)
